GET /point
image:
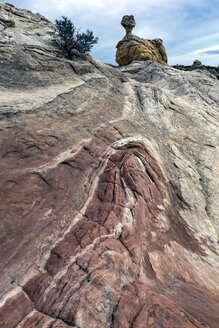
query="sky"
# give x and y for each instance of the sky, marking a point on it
(189, 28)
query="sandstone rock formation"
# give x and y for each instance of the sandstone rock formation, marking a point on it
(128, 22)
(198, 66)
(22, 27)
(108, 190)
(32, 31)
(131, 47)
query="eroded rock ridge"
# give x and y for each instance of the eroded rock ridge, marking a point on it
(108, 188)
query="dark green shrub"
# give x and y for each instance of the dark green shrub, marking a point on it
(71, 39)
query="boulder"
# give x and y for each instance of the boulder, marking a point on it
(131, 47)
(134, 48)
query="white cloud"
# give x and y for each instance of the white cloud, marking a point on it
(208, 49)
(211, 58)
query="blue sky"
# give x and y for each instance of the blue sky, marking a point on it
(189, 28)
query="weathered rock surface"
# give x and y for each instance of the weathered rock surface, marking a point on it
(198, 66)
(22, 27)
(131, 48)
(109, 196)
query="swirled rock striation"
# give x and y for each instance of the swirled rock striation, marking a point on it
(108, 193)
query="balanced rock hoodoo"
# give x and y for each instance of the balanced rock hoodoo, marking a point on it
(131, 47)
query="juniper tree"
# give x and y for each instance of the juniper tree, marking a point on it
(70, 38)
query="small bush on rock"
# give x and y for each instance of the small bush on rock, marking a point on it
(71, 39)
